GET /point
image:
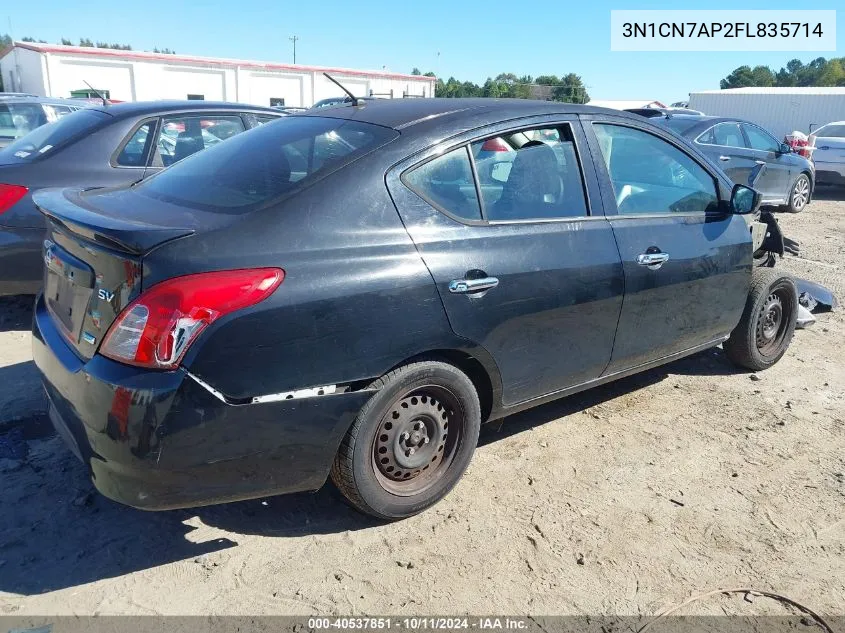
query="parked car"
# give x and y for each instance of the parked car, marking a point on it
(290, 109)
(662, 112)
(101, 146)
(737, 146)
(335, 101)
(20, 113)
(829, 153)
(235, 327)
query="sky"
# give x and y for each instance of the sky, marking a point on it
(468, 39)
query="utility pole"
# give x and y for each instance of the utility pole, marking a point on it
(293, 39)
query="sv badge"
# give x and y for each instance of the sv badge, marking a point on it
(105, 295)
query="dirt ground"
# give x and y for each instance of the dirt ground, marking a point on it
(623, 500)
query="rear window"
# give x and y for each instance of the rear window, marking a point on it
(19, 119)
(264, 163)
(49, 137)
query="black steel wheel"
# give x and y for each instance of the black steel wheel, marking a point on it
(411, 442)
(768, 322)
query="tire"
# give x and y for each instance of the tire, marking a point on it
(411, 442)
(768, 321)
(799, 194)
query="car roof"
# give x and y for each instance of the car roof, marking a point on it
(13, 97)
(136, 108)
(404, 113)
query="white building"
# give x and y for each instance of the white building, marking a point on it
(62, 71)
(779, 110)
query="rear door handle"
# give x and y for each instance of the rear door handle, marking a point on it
(652, 260)
(462, 286)
(724, 158)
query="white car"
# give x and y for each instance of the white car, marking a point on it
(829, 153)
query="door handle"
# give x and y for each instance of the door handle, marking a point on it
(652, 260)
(724, 159)
(462, 286)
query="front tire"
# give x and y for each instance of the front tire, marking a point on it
(768, 321)
(799, 195)
(412, 441)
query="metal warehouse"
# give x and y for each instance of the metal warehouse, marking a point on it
(66, 71)
(780, 110)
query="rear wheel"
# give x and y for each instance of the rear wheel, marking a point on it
(799, 195)
(411, 442)
(768, 321)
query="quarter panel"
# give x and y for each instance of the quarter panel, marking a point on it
(356, 300)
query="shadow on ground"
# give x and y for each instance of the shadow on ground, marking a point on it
(16, 313)
(829, 193)
(64, 534)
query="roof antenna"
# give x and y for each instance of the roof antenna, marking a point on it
(96, 92)
(355, 100)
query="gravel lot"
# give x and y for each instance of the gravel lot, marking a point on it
(623, 500)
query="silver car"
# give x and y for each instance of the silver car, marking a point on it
(829, 153)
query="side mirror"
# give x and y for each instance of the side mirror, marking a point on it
(744, 200)
(756, 173)
(785, 148)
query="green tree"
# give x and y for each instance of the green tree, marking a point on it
(739, 78)
(84, 41)
(571, 89)
(833, 73)
(66, 42)
(416, 71)
(762, 76)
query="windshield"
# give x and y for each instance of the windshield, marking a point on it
(19, 119)
(832, 130)
(53, 135)
(264, 163)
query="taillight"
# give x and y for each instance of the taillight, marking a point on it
(495, 145)
(9, 196)
(158, 327)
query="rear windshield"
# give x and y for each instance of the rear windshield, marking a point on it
(48, 138)
(264, 163)
(678, 125)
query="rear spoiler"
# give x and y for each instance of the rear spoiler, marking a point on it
(69, 209)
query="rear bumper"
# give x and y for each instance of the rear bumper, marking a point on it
(159, 440)
(21, 266)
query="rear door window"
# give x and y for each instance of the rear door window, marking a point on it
(181, 136)
(265, 163)
(447, 184)
(530, 175)
(724, 134)
(834, 130)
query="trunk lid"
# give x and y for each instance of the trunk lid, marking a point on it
(93, 256)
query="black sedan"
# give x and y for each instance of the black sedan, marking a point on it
(344, 293)
(100, 146)
(737, 146)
